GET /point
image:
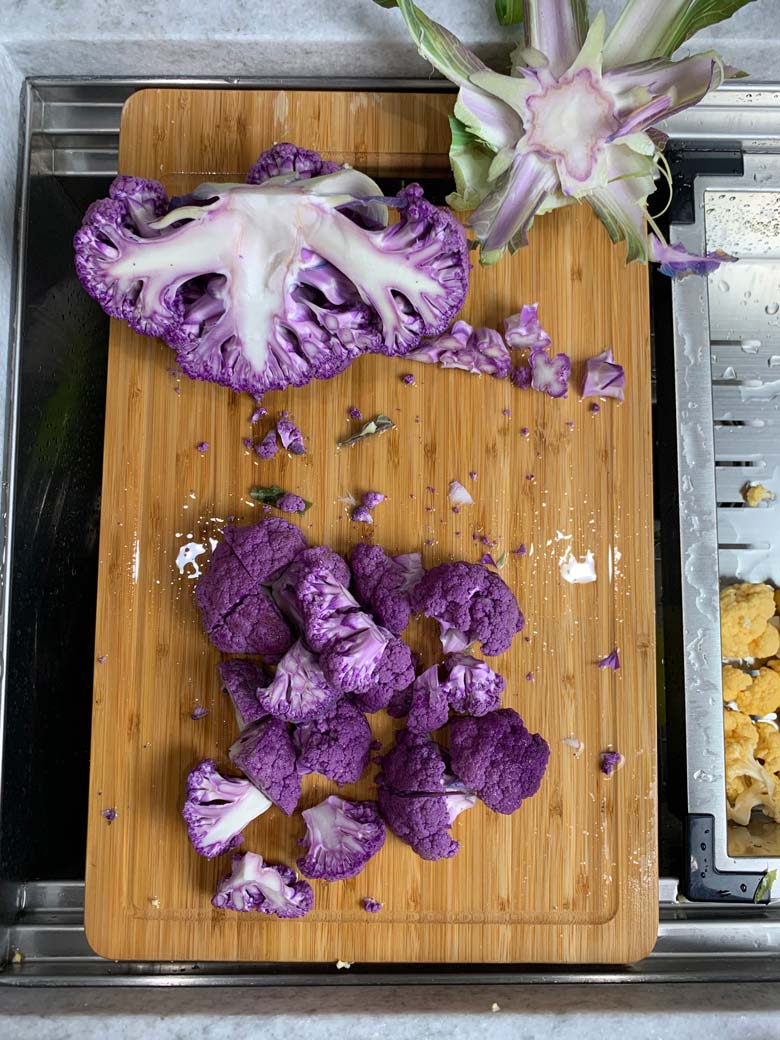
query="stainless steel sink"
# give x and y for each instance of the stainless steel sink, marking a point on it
(52, 503)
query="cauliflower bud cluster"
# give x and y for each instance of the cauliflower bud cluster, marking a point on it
(750, 644)
(329, 635)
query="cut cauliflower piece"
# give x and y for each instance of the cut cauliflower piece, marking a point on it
(734, 682)
(755, 494)
(757, 795)
(767, 644)
(768, 746)
(762, 695)
(745, 610)
(748, 782)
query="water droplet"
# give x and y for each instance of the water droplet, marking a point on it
(723, 286)
(772, 308)
(703, 776)
(750, 346)
(748, 294)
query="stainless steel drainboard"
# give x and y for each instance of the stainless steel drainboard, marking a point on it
(69, 152)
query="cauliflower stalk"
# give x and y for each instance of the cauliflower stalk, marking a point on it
(253, 885)
(271, 284)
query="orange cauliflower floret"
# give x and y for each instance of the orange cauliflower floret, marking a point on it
(745, 610)
(768, 747)
(762, 695)
(734, 682)
(755, 494)
(748, 783)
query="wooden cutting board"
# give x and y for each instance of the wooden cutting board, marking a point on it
(572, 876)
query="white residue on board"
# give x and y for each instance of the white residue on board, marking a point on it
(575, 571)
(188, 557)
(136, 560)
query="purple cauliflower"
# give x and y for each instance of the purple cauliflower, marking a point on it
(299, 690)
(335, 744)
(325, 602)
(471, 603)
(524, 330)
(419, 798)
(238, 614)
(243, 681)
(289, 503)
(217, 809)
(473, 688)
(284, 585)
(290, 436)
(372, 906)
(609, 761)
(265, 548)
(479, 351)
(383, 583)
(288, 161)
(253, 885)
(362, 515)
(496, 756)
(371, 499)
(429, 707)
(341, 837)
(369, 662)
(268, 446)
(338, 280)
(550, 375)
(264, 752)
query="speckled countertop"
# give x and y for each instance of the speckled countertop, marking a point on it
(330, 37)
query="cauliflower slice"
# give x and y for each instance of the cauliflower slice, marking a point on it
(768, 747)
(734, 682)
(745, 609)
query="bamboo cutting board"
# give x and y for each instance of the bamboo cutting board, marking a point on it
(572, 876)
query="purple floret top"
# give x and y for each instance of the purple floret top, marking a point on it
(336, 745)
(264, 752)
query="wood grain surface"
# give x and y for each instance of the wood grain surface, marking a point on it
(572, 876)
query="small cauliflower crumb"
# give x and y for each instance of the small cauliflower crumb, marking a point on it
(755, 494)
(745, 610)
(154, 903)
(495, 1007)
(343, 965)
(18, 957)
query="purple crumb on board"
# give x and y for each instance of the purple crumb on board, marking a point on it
(570, 424)
(530, 476)
(612, 660)
(199, 713)
(375, 745)
(429, 541)
(247, 443)
(610, 760)
(507, 413)
(408, 379)
(109, 815)
(431, 490)
(488, 561)
(258, 414)
(529, 676)
(520, 550)
(473, 474)
(595, 407)
(456, 509)
(525, 431)
(354, 413)
(102, 659)
(202, 447)
(371, 906)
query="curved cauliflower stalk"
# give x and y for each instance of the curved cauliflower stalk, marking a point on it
(497, 757)
(336, 745)
(264, 752)
(299, 690)
(383, 583)
(331, 289)
(473, 688)
(341, 837)
(217, 809)
(471, 603)
(419, 798)
(745, 610)
(254, 885)
(243, 681)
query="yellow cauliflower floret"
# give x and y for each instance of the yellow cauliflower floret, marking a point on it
(741, 740)
(768, 746)
(762, 794)
(767, 644)
(734, 682)
(755, 494)
(762, 695)
(744, 611)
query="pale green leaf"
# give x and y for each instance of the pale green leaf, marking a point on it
(509, 12)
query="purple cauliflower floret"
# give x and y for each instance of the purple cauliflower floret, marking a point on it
(383, 583)
(371, 499)
(423, 820)
(291, 437)
(341, 837)
(326, 603)
(610, 761)
(217, 809)
(287, 160)
(284, 585)
(289, 503)
(336, 744)
(550, 375)
(399, 703)
(264, 752)
(496, 756)
(362, 515)
(471, 603)
(524, 330)
(243, 680)
(299, 690)
(372, 906)
(419, 798)
(521, 377)
(473, 688)
(268, 446)
(265, 548)
(479, 351)
(253, 885)
(338, 280)
(370, 663)
(429, 708)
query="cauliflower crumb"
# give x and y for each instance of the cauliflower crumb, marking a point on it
(755, 494)
(495, 1007)
(343, 965)
(18, 957)
(154, 902)
(745, 610)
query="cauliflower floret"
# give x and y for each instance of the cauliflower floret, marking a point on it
(762, 695)
(767, 644)
(741, 739)
(755, 494)
(745, 610)
(768, 747)
(734, 682)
